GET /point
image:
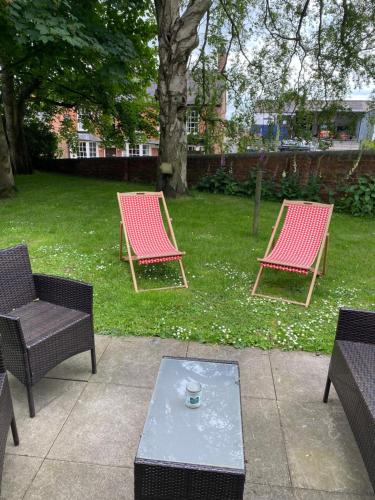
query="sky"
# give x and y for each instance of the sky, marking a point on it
(358, 94)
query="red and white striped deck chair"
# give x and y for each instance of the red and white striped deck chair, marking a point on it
(146, 238)
(302, 242)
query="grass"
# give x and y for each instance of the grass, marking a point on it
(71, 227)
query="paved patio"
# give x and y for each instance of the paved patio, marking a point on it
(82, 442)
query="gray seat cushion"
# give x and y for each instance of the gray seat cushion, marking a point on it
(40, 319)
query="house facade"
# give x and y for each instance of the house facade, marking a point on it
(352, 122)
(90, 145)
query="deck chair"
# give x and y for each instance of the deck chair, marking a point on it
(146, 238)
(302, 242)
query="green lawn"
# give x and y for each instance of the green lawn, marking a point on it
(71, 227)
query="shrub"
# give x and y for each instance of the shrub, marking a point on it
(289, 187)
(220, 182)
(359, 198)
(41, 141)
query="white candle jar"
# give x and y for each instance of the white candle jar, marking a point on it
(193, 397)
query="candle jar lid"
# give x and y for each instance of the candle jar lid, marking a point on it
(193, 386)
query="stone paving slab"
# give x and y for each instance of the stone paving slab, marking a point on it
(265, 451)
(104, 426)
(66, 480)
(299, 375)
(54, 399)
(79, 367)
(135, 361)
(267, 492)
(18, 473)
(321, 449)
(255, 368)
(328, 495)
(82, 442)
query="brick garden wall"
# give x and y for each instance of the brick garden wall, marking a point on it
(332, 166)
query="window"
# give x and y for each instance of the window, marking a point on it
(195, 148)
(192, 121)
(82, 150)
(92, 149)
(87, 149)
(134, 150)
(137, 150)
(80, 127)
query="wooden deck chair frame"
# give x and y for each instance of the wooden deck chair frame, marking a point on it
(314, 269)
(131, 258)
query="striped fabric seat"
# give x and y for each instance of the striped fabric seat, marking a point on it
(300, 239)
(145, 228)
(146, 238)
(301, 244)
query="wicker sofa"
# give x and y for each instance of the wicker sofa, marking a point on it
(352, 372)
(43, 319)
(6, 415)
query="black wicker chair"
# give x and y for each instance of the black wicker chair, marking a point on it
(352, 372)
(43, 319)
(6, 415)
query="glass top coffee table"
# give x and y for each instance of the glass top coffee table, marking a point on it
(187, 453)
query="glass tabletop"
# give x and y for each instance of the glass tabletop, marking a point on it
(210, 435)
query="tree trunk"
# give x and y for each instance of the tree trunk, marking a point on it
(7, 187)
(14, 113)
(178, 36)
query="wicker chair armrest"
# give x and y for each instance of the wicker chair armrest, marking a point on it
(65, 292)
(356, 326)
(11, 337)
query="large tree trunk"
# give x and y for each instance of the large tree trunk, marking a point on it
(7, 187)
(14, 112)
(178, 36)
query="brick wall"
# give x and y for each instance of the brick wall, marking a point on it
(332, 166)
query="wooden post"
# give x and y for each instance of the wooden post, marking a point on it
(258, 193)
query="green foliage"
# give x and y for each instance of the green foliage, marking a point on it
(359, 198)
(68, 132)
(95, 56)
(293, 62)
(221, 182)
(41, 141)
(312, 189)
(368, 144)
(290, 186)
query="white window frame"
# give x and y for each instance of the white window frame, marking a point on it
(135, 150)
(85, 150)
(80, 127)
(143, 150)
(93, 149)
(192, 121)
(196, 148)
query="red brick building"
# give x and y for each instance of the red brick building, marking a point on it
(89, 145)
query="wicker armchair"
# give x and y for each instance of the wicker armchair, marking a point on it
(6, 415)
(43, 319)
(352, 372)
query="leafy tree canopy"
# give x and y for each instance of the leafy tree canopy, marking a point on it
(95, 55)
(287, 52)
